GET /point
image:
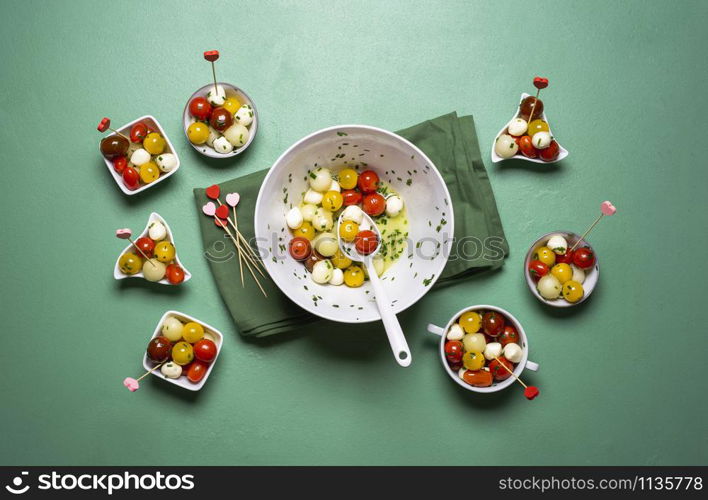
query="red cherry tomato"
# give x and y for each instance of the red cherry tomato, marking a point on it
(374, 204)
(566, 258)
(493, 323)
(498, 371)
(478, 378)
(221, 119)
(205, 350)
(146, 245)
(174, 274)
(454, 350)
(368, 181)
(537, 269)
(526, 147)
(120, 163)
(550, 153)
(300, 248)
(131, 178)
(200, 108)
(508, 336)
(138, 132)
(584, 258)
(351, 197)
(197, 370)
(366, 242)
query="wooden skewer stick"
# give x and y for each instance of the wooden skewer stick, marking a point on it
(606, 208)
(233, 239)
(588, 231)
(240, 265)
(533, 108)
(530, 391)
(254, 258)
(511, 372)
(150, 371)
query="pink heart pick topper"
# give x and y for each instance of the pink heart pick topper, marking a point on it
(608, 208)
(124, 233)
(233, 199)
(531, 392)
(209, 209)
(132, 384)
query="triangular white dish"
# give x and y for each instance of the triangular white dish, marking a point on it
(563, 153)
(117, 274)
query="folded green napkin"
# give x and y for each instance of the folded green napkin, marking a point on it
(451, 143)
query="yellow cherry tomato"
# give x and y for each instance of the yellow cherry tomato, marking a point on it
(332, 201)
(546, 255)
(164, 251)
(130, 263)
(348, 230)
(198, 133)
(563, 272)
(305, 230)
(154, 143)
(572, 291)
(149, 172)
(537, 126)
(354, 276)
(231, 104)
(347, 178)
(470, 322)
(341, 261)
(182, 353)
(473, 360)
(192, 332)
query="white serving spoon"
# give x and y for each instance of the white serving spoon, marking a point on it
(399, 346)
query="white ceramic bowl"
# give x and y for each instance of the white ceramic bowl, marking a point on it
(591, 275)
(231, 91)
(397, 162)
(117, 274)
(562, 153)
(125, 130)
(496, 386)
(209, 332)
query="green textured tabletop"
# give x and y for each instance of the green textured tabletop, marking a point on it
(621, 377)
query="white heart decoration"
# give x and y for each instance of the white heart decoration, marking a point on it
(209, 209)
(232, 199)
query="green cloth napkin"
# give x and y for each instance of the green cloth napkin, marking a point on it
(451, 143)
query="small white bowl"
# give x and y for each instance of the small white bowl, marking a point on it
(523, 343)
(125, 130)
(591, 275)
(209, 332)
(117, 274)
(562, 153)
(231, 91)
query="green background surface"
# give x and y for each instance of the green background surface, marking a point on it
(621, 378)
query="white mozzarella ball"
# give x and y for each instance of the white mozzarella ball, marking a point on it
(513, 352)
(322, 221)
(157, 231)
(213, 135)
(379, 264)
(154, 270)
(505, 146)
(322, 271)
(493, 350)
(237, 135)
(294, 218)
(140, 157)
(326, 244)
(244, 115)
(172, 328)
(518, 126)
(558, 244)
(171, 370)
(335, 186)
(320, 179)
(578, 274)
(474, 342)
(308, 211)
(313, 197)
(216, 97)
(394, 205)
(455, 332)
(549, 287)
(353, 213)
(222, 145)
(166, 162)
(541, 140)
(337, 277)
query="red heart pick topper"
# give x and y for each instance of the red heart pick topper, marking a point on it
(219, 222)
(531, 392)
(213, 191)
(540, 83)
(211, 55)
(104, 124)
(222, 212)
